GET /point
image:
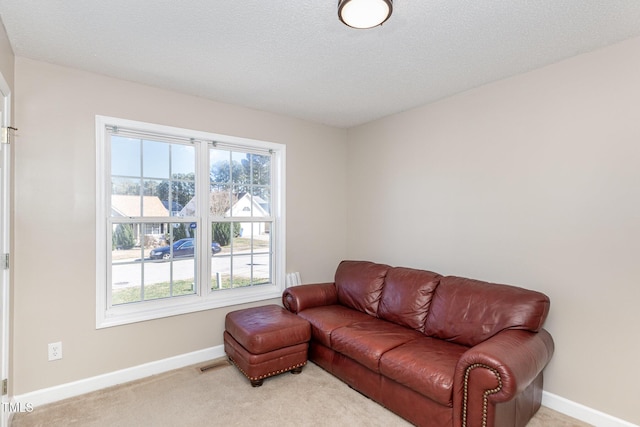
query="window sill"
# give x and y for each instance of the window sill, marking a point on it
(150, 310)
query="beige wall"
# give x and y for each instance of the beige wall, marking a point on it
(54, 269)
(534, 181)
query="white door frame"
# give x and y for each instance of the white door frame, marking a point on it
(5, 246)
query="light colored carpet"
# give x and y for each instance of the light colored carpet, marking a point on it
(223, 397)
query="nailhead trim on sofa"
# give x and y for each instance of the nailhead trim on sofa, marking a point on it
(485, 399)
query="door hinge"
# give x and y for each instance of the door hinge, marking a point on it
(4, 386)
(6, 134)
(5, 261)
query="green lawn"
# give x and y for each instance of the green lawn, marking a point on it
(180, 287)
(184, 287)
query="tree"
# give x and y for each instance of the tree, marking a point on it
(179, 232)
(221, 232)
(123, 238)
(251, 173)
(182, 186)
(258, 168)
(125, 187)
(219, 204)
(225, 172)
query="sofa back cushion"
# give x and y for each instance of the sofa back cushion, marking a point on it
(359, 285)
(467, 311)
(406, 296)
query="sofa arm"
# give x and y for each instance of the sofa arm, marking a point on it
(497, 370)
(298, 298)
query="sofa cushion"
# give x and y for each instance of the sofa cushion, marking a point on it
(426, 366)
(406, 296)
(359, 285)
(468, 311)
(366, 341)
(325, 319)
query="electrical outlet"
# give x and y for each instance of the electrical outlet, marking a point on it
(55, 351)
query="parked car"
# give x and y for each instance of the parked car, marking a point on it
(181, 248)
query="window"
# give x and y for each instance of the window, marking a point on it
(186, 221)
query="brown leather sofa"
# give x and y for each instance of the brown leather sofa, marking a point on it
(436, 350)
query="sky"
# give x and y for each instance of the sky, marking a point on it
(160, 159)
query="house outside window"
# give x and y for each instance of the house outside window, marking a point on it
(186, 221)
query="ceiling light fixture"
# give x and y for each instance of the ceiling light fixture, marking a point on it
(364, 13)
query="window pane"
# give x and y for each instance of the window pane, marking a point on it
(220, 169)
(125, 283)
(258, 231)
(260, 169)
(167, 177)
(125, 186)
(241, 271)
(178, 231)
(261, 237)
(250, 175)
(152, 205)
(249, 270)
(170, 269)
(167, 278)
(183, 160)
(125, 242)
(126, 255)
(245, 255)
(175, 208)
(261, 201)
(242, 206)
(157, 280)
(152, 187)
(223, 233)
(240, 169)
(260, 272)
(183, 193)
(220, 200)
(220, 272)
(155, 159)
(125, 156)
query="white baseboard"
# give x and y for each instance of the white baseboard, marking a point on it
(87, 385)
(581, 412)
(72, 389)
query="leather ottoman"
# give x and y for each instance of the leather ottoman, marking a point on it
(266, 341)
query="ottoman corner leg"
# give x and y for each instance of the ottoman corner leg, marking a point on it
(297, 370)
(256, 383)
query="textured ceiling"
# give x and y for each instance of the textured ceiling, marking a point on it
(296, 58)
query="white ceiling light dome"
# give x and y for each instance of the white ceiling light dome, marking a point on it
(364, 13)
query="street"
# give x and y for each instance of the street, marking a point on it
(130, 275)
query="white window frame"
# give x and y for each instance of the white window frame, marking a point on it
(204, 298)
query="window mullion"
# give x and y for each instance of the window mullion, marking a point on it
(203, 224)
(141, 237)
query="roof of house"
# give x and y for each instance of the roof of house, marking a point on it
(130, 206)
